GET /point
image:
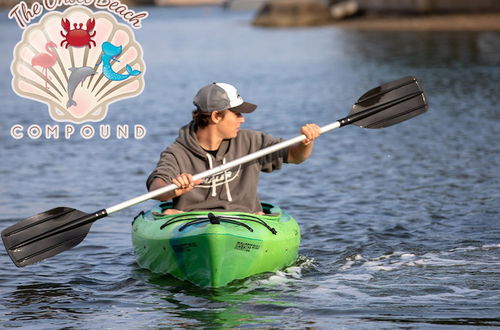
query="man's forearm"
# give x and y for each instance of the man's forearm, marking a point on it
(157, 184)
(299, 152)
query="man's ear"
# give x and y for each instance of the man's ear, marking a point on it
(216, 116)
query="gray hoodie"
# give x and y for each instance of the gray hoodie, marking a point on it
(232, 190)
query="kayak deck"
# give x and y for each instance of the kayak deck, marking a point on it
(211, 249)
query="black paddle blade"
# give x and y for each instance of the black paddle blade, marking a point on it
(389, 104)
(47, 234)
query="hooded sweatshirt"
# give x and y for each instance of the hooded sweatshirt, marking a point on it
(231, 190)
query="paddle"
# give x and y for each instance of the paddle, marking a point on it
(51, 232)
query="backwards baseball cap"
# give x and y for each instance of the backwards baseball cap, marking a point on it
(221, 96)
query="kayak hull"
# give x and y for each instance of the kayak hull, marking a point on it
(213, 250)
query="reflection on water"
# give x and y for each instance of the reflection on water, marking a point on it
(253, 302)
(430, 49)
(402, 223)
(43, 301)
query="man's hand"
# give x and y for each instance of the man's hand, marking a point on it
(311, 131)
(302, 150)
(185, 183)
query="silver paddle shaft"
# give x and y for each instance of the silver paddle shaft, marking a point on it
(219, 169)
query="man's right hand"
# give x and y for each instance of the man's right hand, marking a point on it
(185, 183)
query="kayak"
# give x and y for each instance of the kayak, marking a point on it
(211, 249)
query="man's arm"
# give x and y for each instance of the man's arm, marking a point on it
(184, 181)
(302, 150)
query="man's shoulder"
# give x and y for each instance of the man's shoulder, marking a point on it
(249, 137)
(255, 139)
(173, 147)
(257, 136)
(175, 151)
(249, 134)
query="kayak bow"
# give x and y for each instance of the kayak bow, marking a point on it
(211, 249)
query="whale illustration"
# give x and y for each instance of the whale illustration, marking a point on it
(110, 52)
(77, 76)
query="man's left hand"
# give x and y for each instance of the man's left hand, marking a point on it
(311, 131)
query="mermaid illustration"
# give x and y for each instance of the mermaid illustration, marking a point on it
(110, 52)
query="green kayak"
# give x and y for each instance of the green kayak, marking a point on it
(211, 249)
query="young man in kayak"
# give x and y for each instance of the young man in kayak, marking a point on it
(214, 138)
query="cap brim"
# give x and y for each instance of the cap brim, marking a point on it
(245, 107)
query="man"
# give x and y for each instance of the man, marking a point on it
(214, 138)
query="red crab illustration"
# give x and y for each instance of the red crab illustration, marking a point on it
(78, 37)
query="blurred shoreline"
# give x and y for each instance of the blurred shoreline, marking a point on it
(377, 22)
(443, 22)
(188, 3)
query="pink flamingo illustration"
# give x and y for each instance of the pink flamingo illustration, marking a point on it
(44, 60)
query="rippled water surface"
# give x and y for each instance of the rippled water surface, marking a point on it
(400, 226)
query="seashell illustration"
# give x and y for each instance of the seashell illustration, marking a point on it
(71, 80)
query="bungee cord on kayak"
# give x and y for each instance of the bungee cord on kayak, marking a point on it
(213, 219)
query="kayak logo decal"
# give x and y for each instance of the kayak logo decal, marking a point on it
(247, 247)
(77, 62)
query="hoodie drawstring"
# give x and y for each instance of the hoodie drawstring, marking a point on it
(211, 165)
(226, 181)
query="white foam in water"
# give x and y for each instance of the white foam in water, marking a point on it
(292, 273)
(295, 272)
(376, 267)
(334, 287)
(354, 277)
(486, 247)
(407, 256)
(351, 261)
(280, 277)
(305, 263)
(347, 265)
(491, 246)
(369, 278)
(277, 278)
(463, 291)
(399, 259)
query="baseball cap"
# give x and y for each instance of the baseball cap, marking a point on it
(221, 96)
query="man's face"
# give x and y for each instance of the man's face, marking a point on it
(230, 124)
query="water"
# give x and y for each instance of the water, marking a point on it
(400, 226)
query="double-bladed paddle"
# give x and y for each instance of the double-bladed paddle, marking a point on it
(51, 232)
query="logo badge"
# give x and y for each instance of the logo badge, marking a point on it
(78, 62)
